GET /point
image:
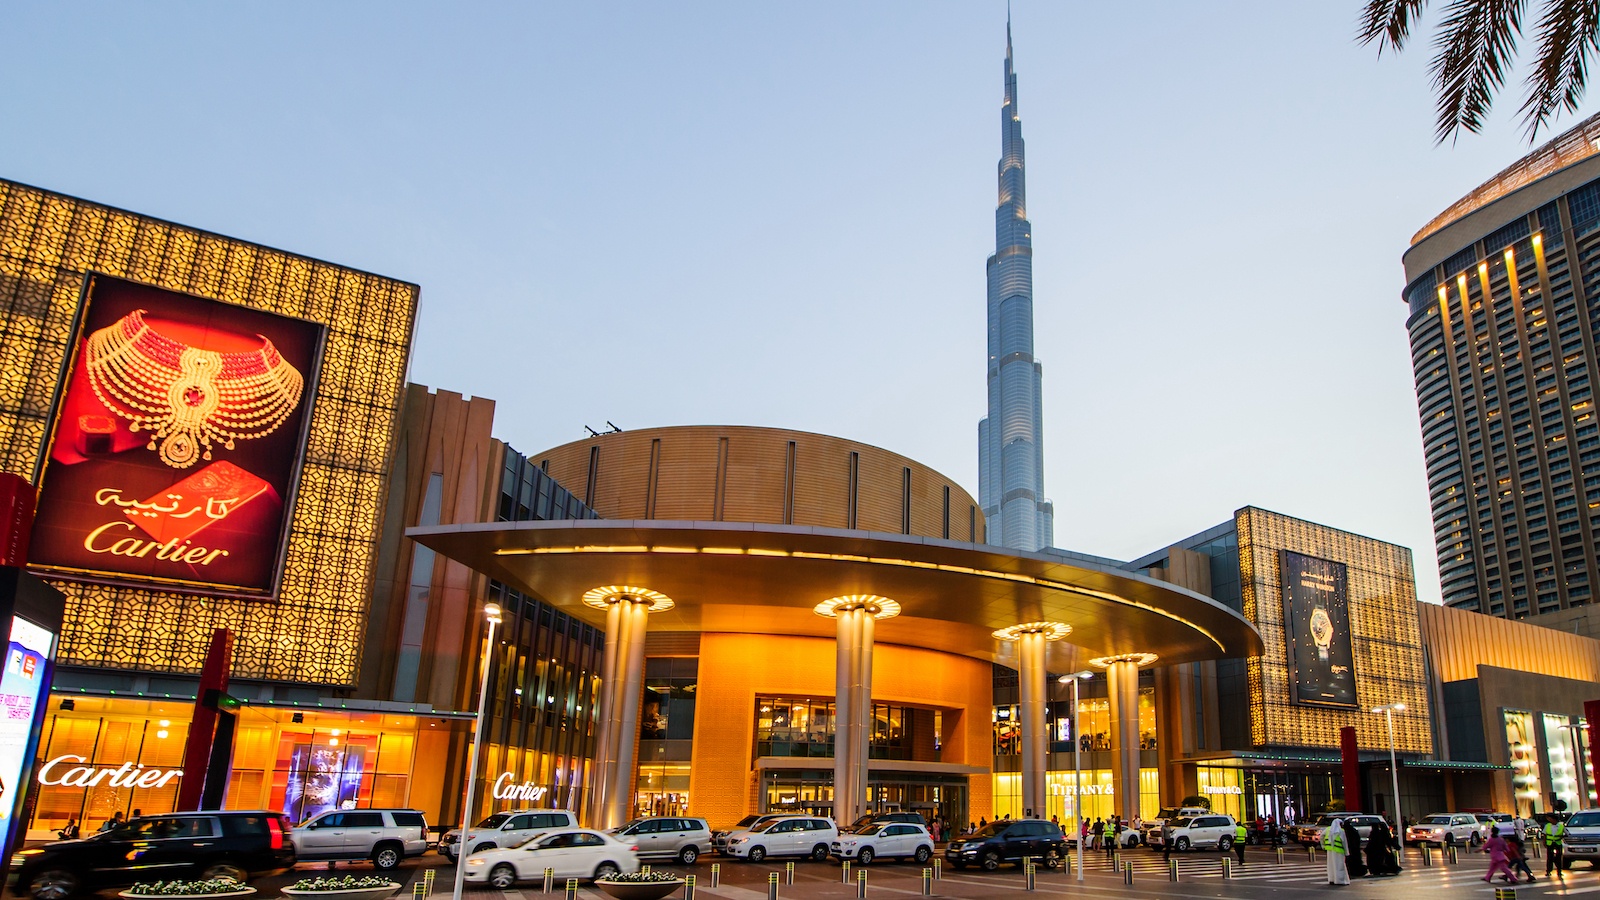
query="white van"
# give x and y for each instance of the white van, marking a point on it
(788, 836)
(506, 829)
(1209, 830)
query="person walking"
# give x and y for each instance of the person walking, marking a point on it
(1517, 855)
(1334, 846)
(1499, 861)
(1241, 836)
(1554, 831)
(1380, 851)
(1166, 839)
(1353, 862)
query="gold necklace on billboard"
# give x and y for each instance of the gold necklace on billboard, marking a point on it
(188, 398)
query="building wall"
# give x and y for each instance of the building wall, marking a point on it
(1458, 642)
(312, 632)
(734, 668)
(768, 475)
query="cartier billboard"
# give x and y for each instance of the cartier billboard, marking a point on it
(175, 441)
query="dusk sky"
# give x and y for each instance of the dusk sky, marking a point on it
(665, 214)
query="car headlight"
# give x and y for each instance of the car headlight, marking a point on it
(736, 840)
(476, 861)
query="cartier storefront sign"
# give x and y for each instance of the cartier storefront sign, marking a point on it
(175, 442)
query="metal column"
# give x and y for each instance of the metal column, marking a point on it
(1035, 745)
(1122, 677)
(852, 712)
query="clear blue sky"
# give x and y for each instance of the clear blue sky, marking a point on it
(750, 213)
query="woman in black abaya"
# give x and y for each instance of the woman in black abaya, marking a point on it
(1380, 851)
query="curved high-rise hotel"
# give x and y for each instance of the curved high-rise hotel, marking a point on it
(1010, 437)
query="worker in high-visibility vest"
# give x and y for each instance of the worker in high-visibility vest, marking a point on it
(1554, 830)
(1108, 834)
(1334, 845)
(1241, 836)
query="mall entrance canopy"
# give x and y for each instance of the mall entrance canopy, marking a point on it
(1035, 612)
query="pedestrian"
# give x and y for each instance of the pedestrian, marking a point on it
(1056, 821)
(1353, 862)
(1108, 835)
(1166, 839)
(933, 831)
(1554, 831)
(1380, 851)
(1496, 847)
(115, 821)
(1333, 844)
(982, 822)
(1517, 855)
(1241, 836)
(1094, 833)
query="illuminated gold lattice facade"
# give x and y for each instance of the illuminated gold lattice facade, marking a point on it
(1385, 636)
(312, 633)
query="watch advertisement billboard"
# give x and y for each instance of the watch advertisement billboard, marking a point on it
(22, 684)
(175, 443)
(1316, 622)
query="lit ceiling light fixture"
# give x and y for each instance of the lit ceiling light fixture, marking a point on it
(1052, 631)
(876, 606)
(1139, 659)
(605, 595)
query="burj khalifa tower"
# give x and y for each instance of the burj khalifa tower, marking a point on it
(1010, 437)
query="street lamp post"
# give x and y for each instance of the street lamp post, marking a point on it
(1388, 711)
(1077, 767)
(492, 611)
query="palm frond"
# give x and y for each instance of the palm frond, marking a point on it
(1388, 22)
(1569, 32)
(1474, 49)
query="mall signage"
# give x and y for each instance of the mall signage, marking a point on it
(175, 443)
(71, 770)
(504, 789)
(1221, 789)
(1316, 620)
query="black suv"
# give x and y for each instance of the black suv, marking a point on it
(1012, 841)
(211, 844)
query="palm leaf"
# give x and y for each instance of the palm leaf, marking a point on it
(1569, 32)
(1388, 22)
(1473, 51)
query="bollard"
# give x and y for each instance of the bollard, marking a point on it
(861, 884)
(1116, 861)
(572, 889)
(716, 874)
(1533, 846)
(1311, 853)
(844, 871)
(1280, 856)
(938, 868)
(688, 887)
(1427, 856)
(416, 891)
(927, 882)
(1172, 870)
(788, 873)
(644, 870)
(1127, 872)
(549, 879)
(1030, 878)
(1450, 854)
(427, 882)
(772, 886)
(1505, 893)
(1227, 867)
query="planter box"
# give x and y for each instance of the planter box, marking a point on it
(241, 892)
(639, 890)
(376, 893)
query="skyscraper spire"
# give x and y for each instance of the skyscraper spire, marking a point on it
(1010, 438)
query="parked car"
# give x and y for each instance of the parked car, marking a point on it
(506, 829)
(1310, 833)
(1582, 837)
(873, 840)
(223, 843)
(1011, 841)
(1153, 826)
(667, 837)
(567, 853)
(908, 818)
(786, 836)
(1446, 829)
(719, 839)
(1210, 830)
(384, 836)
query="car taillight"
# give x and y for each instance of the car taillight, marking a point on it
(275, 832)
(634, 848)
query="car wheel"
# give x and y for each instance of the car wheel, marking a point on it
(1181, 844)
(606, 869)
(486, 845)
(1476, 839)
(1052, 860)
(819, 853)
(1449, 840)
(991, 861)
(923, 853)
(503, 876)
(688, 855)
(1225, 843)
(864, 858)
(757, 854)
(386, 857)
(54, 884)
(224, 869)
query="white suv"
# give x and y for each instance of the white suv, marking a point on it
(506, 829)
(788, 836)
(384, 836)
(1201, 831)
(886, 839)
(1581, 839)
(667, 837)
(1445, 829)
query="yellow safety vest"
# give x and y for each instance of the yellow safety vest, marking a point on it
(1553, 832)
(1333, 839)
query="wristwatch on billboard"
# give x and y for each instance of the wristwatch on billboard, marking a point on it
(1321, 632)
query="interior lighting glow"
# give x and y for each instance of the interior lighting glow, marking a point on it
(605, 595)
(877, 607)
(1052, 631)
(1139, 659)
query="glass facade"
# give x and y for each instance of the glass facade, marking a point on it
(1094, 720)
(1098, 796)
(799, 726)
(1525, 781)
(1503, 338)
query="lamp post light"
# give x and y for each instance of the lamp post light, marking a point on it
(492, 612)
(1388, 711)
(1077, 766)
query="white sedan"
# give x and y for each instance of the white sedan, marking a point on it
(569, 853)
(885, 839)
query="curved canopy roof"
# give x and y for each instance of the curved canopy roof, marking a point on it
(766, 579)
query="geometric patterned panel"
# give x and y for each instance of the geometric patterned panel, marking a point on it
(311, 633)
(1385, 637)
